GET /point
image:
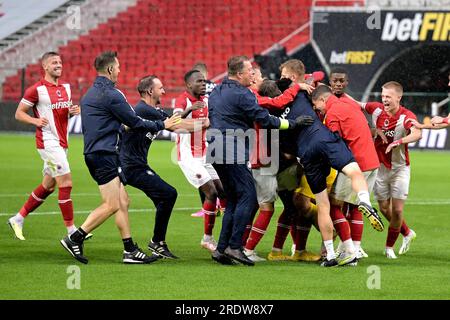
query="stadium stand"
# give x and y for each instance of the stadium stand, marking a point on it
(167, 37)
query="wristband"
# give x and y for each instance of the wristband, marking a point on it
(284, 124)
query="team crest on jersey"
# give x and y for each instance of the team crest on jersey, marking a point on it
(58, 93)
(386, 123)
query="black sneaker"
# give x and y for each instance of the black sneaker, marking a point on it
(74, 248)
(371, 214)
(161, 249)
(239, 256)
(329, 263)
(137, 256)
(222, 258)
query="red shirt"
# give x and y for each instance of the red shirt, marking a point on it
(351, 124)
(191, 144)
(52, 102)
(394, 128)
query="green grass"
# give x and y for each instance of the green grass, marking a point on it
(37, 268)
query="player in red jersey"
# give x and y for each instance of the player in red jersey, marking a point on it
(51, 101)
(191, 152)
(349, 122)
(393, 122)
(338, 83)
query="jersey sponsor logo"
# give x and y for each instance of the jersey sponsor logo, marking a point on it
(434, 26)
(285, 113)
(151, 136)
(60, 105)
(352, 57)
(389, 133)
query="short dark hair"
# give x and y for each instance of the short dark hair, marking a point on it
(269, 88)
(49, 54)
(236, 64)
(338, 70)
(189, 74)
(145, 84)
(104, 60)
(320, 91)
(200, 66)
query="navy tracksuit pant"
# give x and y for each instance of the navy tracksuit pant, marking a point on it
(160, 192)
(237, 181)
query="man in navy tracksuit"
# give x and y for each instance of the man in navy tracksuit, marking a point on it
(104, 109)
(233, 108)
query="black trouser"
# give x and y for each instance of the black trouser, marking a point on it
(160, 192)
(237, 181)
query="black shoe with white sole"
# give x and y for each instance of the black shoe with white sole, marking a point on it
(74, 248)
(137, 256)
(161, 249)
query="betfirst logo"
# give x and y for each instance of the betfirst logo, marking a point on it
(352, 57)
(61, 105)
(434, 24)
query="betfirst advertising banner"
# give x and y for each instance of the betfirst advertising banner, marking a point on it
(366, 42)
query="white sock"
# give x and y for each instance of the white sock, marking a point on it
(71, 229)
(206, 237)
(349, 246)
(357, 245)
(18, 218)
(364, 196)
(249, 252)
(340, 246)
(330, 249)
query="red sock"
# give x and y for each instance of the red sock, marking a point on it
(223, 203)
(340, 223)
(259, 228)
(303, 227)
(36, 198)
(66, 205)
(356, 223)
(248, 228)
(392, 236)
(404, 229)
(283, 227)
(209, 217)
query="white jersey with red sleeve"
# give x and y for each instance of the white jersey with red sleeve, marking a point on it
(394, 128)
(191, 145)
(52, 102)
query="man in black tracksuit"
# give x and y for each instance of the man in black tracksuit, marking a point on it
(134, 148)
(104, 109)
(233, 109)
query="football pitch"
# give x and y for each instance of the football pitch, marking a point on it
(39, 268)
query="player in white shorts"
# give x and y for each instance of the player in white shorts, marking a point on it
(191, 153)
(395, 131)
(51, 101)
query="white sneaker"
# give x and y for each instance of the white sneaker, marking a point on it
(361, 254)
(346, 257)
(251, 254)
(389, 253)
(16, 228)
(210, 244)
(407, 242)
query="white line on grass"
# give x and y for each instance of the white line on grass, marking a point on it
(11, 195)
(87, 211)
